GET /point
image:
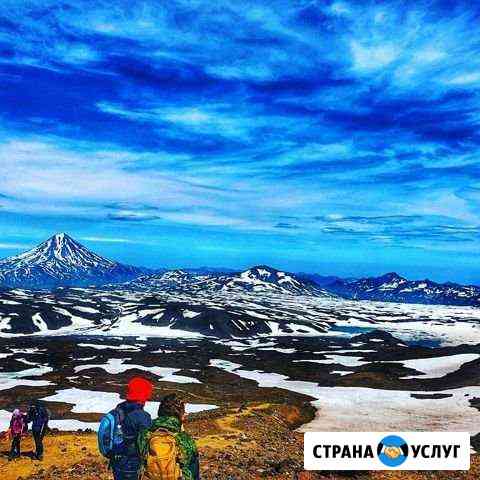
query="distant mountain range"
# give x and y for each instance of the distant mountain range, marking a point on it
(391, 287)
(61, 261)
(256, 279)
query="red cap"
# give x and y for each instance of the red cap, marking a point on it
(139, 390)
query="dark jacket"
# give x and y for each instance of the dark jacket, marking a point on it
(188, 460)
(136, 419)
(39, 416)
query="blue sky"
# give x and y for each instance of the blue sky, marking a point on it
(335, 137)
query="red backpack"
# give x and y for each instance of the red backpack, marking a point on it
(18, 425)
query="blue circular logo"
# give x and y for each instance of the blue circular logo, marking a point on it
(392, 451)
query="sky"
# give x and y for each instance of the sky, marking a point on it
(336, 137)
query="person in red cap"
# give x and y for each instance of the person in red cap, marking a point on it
(139, 390)
(133, 420)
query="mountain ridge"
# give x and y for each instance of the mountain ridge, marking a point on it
(259, 279)
(61, 261)
(392, 287)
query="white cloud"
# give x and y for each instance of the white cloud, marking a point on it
(375, 57)
(76, 53)
(334, 216)
(14, 246)
(465, 79)
(429, 54)
(108, 240)
(340, 8)
(52, 178)
(188, 116)
(84, 180)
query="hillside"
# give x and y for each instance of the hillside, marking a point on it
(253, 442)
(260, 279)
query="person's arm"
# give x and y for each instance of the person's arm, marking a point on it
(47, 419)
(195, 466)
(142, 442)
(25, 424)
(143, 424)
(189, 461)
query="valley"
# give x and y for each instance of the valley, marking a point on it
(354, 382)
(233, 342)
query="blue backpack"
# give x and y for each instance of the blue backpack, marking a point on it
(111, 440)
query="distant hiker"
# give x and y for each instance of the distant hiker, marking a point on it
(168, 452)
(119, 430)
(18, 427)
(39, 416)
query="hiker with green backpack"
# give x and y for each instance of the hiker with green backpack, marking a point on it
(168, 452)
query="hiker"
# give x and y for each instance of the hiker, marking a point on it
(39, 416)
(168, 452)
(17, 429)
(119, 430)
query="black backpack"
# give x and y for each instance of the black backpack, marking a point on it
(39, 416)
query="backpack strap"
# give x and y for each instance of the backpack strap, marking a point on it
(113, 418)
(124, 420)
(164, 430)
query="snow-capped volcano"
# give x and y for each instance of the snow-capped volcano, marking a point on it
(389, 281)
(264, 273)
(62, 261)
(265, 278)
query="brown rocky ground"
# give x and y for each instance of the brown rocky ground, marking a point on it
(252, 442)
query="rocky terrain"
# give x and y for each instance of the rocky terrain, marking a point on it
(220, 313)
(249, 442)
(250, 399)
(245, 442)
(387, 382)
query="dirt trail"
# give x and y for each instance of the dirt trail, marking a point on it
(228, 432)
